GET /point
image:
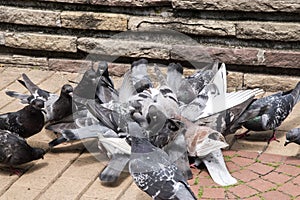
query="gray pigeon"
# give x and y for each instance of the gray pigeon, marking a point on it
(293, 136)
(140, 76)
(279, 106)
(14, 150)
(152, 170)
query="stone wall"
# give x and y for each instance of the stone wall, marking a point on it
(259, 40)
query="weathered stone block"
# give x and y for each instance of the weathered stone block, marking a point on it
(77, 66)
(40, 41)
(91, 20)
(268, 31)
(115, 47)
(270, 82)
(239, 5)
(206, 54)
(190, 26)
(286, 59)
(234, 80)
(29, 16)
(19, 60)
(132, 2)
(2, 39)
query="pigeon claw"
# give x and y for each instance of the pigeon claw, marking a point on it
(240, 136)
(273, 138)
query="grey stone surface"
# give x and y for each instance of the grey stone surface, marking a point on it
(92, 20)
(238, 5)
(29, 16)
(39, 41)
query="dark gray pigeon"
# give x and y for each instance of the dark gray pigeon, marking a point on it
(140, 76)
(105, 91)
(14, 150)
(25, 122)
(152, 170)
(293, 136)
(280, 105)
(56, 106)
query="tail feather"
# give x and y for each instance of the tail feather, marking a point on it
(57, 141)
(296, 93)
(29, 84)
(23, 97)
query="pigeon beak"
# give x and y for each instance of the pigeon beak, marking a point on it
(44, 111)
(286, 142)
(71, 94)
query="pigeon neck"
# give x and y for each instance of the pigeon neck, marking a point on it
(141, 145)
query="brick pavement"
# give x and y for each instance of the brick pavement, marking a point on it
(71, 172)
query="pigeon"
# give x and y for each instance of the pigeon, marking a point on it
(293, 136)
(14, 150)
(25, 122)
(152, 170)
(204, 143)
(140, 77)
(56, 107)
(279, 106)
(118, 150)
(105, 91)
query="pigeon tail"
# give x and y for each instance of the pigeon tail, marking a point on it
(217, 169)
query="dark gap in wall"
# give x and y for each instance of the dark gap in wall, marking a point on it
(56, 30)
(264, 70)
(86, 7)
(40, 53)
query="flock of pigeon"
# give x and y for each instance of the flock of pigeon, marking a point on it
(157, 127)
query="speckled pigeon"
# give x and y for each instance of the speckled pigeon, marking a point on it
(152, 170)
(14, 150)
(274, 110)
(293, 136)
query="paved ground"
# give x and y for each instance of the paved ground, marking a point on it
(70, 171)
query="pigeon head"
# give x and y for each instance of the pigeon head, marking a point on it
(37, 104)
(293, 136)
(102, 69)
(38, 153)
(67, 89)
(139, 142)
(175, 67)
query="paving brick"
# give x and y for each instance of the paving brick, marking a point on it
(229, 195)
(133, 192)
(245, 175)
(277, 178)
(229, 152)
(242, 161)
(261, 185)
(243, 191)
(260, 168)
(232, 167)
(9, 75)
(97, 189)
(253, 198)
(288, 169)
(207, 182)
(290, 188)
(271, 158)
(20, 192)
(296, 180)
(195, 189)
(293, 161)
(213, 193)
(275, 195)
(248, 154)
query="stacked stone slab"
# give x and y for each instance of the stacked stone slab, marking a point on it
(249, 36)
